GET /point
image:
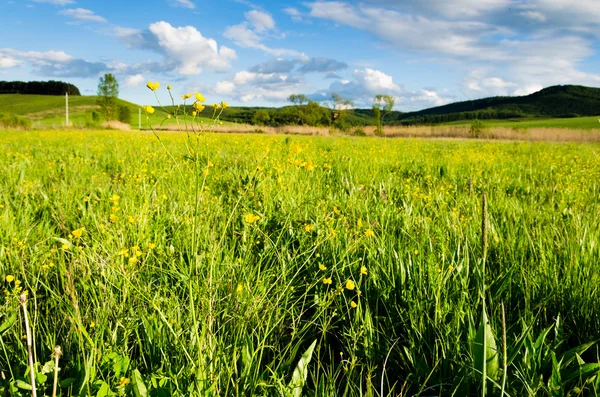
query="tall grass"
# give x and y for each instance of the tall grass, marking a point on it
(177, 267)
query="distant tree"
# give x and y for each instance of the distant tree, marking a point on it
(316, 115)
(299, 100)
(108, 92)
(339, 108)
(382, 106)
(124, 114)
(261, 117)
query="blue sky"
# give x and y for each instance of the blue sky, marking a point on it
(256, 53)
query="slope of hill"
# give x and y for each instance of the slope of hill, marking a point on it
(552, 102)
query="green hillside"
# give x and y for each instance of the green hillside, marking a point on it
(565, 101)
(49, 111)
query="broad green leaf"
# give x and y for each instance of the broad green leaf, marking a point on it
(104, 390)
(582, 372)
(301, 371)
(555, 383)
(23, 385)
(8, 322)
(570, 355)
(492, 361)
(138, 384)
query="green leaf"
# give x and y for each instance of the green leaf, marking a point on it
(7, 323)
(104, 390)
(555, 383)
(23, 385)
(582, 372)
(570, 355)
(492, 361)
(301, 371)
(138, 384)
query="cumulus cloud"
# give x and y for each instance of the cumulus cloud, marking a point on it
(135, 80)
(8, 62)
(82, 14)
(184, 47)
(183, 3)
(260, 21)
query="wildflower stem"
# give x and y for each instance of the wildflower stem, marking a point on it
(23, 301)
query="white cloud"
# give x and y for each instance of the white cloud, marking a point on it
(294, 13)
(56, 2)
(43, 57)
(7, 62)
(261, 21)
(375, 81)
(224, 87)
(83, 15)
(185, 47)
(135, 80)
(533, 15)
(252, 32)
(183, 3)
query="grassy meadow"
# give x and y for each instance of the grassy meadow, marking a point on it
(257, 265)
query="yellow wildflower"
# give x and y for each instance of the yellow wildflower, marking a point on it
(194, 113)
(92, 324)
(200, 97)
(186, 96)
(350, 285)
(309, 228)
(251, 218)
(224, 105)
(153, 86)
(10, 278)
(322, 267)
(77, 232)
(353, 304)
(239, 288)
(363, 270)
(168, 116)
(215, 105)
(327, 281)
(169, 87)
(114, 199)
(123, 382)
(149, 109)
(369, 233)
(198, 106)
(336, 211)
(151, 246)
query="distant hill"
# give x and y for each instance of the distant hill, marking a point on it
(561, 101)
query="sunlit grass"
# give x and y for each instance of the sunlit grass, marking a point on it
(145, 274)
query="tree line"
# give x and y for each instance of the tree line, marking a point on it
(38, 88)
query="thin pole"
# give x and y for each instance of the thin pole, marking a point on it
(67, 106)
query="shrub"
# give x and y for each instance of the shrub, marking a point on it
(478, 129)
(124, 114)
(9, 120)
(359, 132)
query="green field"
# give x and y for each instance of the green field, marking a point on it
(573, 123)
(240, 265)
(48, 111)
